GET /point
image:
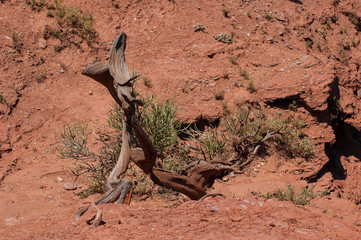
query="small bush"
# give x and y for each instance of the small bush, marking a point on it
(199, 28)
(17, 38)
(343, 55)
(226, 12)
(3, 100)
(141, 184)
(225, 108)
(219, 95)
(73, 143)
(62, 65)
(159, 121)
(147, 82)
(244, 74)
(336, 2)
(115, 4)
(233, 60)
(34, 5)
(293, 142)
(173, 163)
(50, 7)
(293, 106)
(224, 38)
(115, 118)
(237, 84)
(40, 78)
(73, 25)
(268, 16)
(250, 86)
(73, 17)
(50, 14)
(302, 198)
(309, 43)
(242, 132)
(94, 167)
(57, 48)
(327, 22)
(334, 19)
(212, 143)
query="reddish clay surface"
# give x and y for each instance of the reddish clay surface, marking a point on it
(189, 67)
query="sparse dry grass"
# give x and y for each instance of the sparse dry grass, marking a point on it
(303, 198)
(17, 38)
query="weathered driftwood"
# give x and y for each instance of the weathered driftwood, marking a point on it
(116, 73)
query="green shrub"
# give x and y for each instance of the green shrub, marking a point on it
(57, 48)
(147, 82)
(34, 5)
(141, 184)
(199, 28)
(95, 167)
(224, 38)
(293, 142)
(40, 78)
(50, 14)
(115, 117)
(157, 118)
(302, 198)
(226, 12)
(250, 86)
(268, 16)
(233, 60)
(73, 17)
(244, 74)
(3, 100)
(73, 143)
(289, 140)
(173, 163)
(159, 121)
(17, 38)
(219, 95)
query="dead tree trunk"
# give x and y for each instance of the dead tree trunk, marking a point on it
(116, 72)
(116, 78)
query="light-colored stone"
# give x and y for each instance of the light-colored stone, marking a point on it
(42, 43)
(70, 186)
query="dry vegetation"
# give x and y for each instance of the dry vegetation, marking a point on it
(304, 196)
(244, 137)
(72, 25)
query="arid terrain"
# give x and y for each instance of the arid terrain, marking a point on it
(298, 59)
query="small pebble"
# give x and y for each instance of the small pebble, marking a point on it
(70, 186)
(91, 93)
(60, 179)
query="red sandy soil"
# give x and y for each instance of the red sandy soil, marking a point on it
(189, 67)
